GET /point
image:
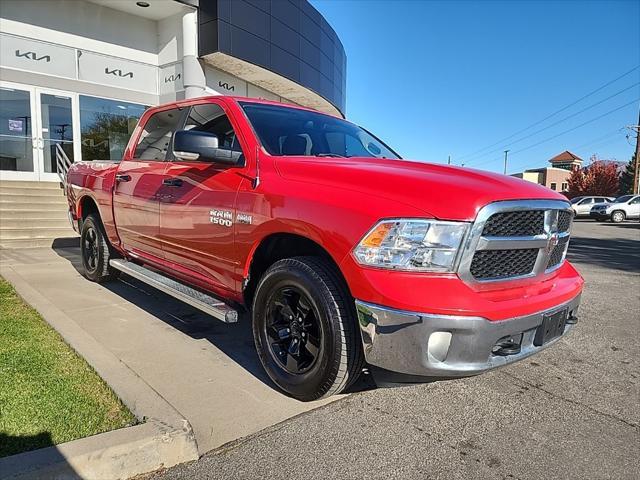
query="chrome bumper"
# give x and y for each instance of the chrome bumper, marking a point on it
(428, 345)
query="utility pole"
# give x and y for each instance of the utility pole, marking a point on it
(506, 153)
(449, 160)
(636, 180)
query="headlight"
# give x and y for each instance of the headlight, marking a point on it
(408, 244)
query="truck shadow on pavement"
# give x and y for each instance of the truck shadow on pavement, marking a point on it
(235, 339)
(614, 253)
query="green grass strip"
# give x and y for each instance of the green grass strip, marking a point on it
(48, 394)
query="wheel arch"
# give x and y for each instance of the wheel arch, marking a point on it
(277, 246)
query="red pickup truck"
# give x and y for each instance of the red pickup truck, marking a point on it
(342, 252)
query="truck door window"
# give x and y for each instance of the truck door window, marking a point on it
(210, 117)
(156, 135)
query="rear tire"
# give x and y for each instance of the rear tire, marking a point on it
(618, 216)
(95, 251)
(305, 329)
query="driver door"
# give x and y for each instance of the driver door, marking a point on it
(197, 211)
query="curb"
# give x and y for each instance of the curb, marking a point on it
(165, 439)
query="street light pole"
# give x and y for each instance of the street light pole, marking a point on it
(506, 153)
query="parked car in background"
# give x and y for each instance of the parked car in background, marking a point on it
(626, 206)
(582, 205)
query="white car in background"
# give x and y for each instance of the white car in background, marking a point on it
(626, 206)
(582, 205)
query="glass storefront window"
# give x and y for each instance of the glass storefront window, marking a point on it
(106, 126)
(16, 148)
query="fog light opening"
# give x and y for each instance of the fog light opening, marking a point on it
(510, 345)
(438, 346)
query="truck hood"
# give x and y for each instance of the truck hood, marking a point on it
(441, 191)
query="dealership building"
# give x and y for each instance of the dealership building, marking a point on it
(78, 72)
(75, 75)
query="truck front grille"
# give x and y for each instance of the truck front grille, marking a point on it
(495, 264)
(558, 253)
(515, 224)
(564, 220)
(516, 239)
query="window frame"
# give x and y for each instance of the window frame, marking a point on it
(183, 121)
(244, 102)
(169, 153)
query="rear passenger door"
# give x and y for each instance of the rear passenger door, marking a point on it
(138, 188)
(634, 208)
(584, 206)
(198, 214)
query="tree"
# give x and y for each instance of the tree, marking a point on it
(626, 179)
(599, 178)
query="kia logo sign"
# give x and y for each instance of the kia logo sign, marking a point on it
(172, 78)
(226, 86)
(33, 56)
(118, 73)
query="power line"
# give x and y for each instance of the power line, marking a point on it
(598, 140)
(596, 145)
(553, 114)
(569, 130)
(563, 119)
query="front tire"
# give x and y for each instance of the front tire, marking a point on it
(95, 251)
(305, 330)
(618, 216)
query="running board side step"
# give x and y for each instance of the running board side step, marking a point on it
(202, 301)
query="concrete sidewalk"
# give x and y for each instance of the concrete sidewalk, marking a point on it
(206, 370)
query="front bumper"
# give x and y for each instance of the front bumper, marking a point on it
(412, 343)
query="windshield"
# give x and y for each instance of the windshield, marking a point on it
(576, 200)
(623, 199)
(290, 131)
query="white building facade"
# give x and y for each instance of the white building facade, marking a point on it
(76, 75)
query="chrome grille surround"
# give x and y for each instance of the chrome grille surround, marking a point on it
(551, 244)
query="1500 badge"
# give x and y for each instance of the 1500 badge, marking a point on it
(225, 218)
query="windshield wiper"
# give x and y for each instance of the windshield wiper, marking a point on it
(334, 155)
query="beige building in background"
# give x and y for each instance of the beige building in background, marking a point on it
(556, 176)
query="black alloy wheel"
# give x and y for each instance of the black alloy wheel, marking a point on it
(90, 249)
(293, 329)
(305, 329)
(95, 251)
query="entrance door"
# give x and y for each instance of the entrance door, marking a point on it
(57, 129)
(34, 122)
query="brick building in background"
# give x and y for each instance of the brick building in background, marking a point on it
(554, 177)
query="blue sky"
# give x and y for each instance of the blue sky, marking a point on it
(434, 78)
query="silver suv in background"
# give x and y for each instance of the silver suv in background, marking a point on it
(582, 205)
(626, 206)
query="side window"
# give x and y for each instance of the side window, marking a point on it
(553, 186)
(156, 135)
(599, 200)
(635, 201)
(211, 118)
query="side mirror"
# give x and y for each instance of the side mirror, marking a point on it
(192, 146)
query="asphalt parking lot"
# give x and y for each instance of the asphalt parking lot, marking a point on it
(572, 411)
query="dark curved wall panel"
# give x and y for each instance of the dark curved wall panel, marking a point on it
(288, 37)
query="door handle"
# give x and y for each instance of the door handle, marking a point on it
(120, 177)
(172, 182)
